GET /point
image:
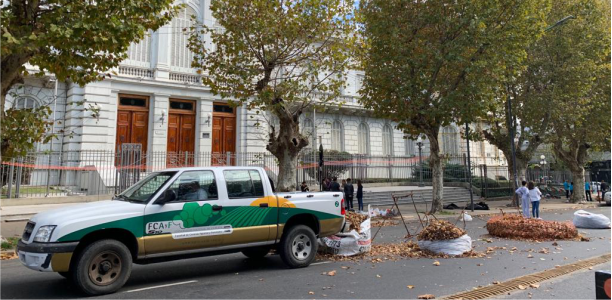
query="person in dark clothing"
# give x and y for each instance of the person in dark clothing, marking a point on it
(360, 195)
(604, 189)
(348, 193)
(334, 186)
(304, 187)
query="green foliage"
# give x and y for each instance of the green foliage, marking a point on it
(22, 128)
(74, 40)
(430, 63)
(270, 53)
(577, 58)
(10, 244)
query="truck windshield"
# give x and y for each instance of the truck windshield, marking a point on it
(143, 190)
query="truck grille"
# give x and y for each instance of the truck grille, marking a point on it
(27, 232)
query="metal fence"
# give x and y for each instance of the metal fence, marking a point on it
(84, 173)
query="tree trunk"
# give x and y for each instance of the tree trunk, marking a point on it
(578, 178)
(574, 157)
(11, 75)
(437, 178)
(285, 146)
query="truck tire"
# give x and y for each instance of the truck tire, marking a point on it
(298, 246)
(256, 252)
(102, 267)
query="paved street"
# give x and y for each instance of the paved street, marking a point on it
(564, 287)
(233, 276)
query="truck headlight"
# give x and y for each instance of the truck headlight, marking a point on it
(44, 233)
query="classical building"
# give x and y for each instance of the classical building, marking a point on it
(158, 101)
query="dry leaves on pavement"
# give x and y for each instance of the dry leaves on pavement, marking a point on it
(426, 296)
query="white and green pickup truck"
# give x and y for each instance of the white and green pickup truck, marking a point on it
(175, 214)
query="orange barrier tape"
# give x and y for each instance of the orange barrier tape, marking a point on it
(373, 163)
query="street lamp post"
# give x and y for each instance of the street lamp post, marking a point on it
(469, 163)
(419, 144)
(543, 163)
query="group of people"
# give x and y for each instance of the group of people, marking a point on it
(347, 187)
(530, 194)
(588, 189)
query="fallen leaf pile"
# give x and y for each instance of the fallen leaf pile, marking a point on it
(355, 220)
(438, 230)
(426, 296)
(514, 226)
(5, 256)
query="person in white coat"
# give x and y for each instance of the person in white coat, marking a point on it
(523, 194)
(534, 196)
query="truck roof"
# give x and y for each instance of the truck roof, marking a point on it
(213, 168)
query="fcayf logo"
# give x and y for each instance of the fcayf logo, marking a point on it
(337, 203)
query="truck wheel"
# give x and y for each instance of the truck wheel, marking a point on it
(256, 252)
(298, 246)
(103, 267)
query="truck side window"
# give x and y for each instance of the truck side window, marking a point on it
(195, 186)
(243, 184)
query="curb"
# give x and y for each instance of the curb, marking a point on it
(17, 220)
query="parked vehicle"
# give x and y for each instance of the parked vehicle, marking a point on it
(175, 214)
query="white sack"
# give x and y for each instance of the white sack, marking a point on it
(456, 246)
(466, 217)
(585, 219)
(349, 243)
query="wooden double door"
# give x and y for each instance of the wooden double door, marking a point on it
(223, 134)
(181, 133)
(132, 121)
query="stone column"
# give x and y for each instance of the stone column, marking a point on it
(204, 126)
(161, 58)
(158, 123)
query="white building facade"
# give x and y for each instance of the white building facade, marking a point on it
(158, 101)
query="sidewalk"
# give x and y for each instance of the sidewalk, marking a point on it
(495, 207)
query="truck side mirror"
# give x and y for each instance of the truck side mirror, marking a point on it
(167, 196)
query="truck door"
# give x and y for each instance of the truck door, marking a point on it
(187, 222)
(250, 213)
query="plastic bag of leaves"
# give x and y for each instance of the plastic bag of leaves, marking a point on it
(515, 226)
(442, 237)
(585, 219)
(356, 241)
(440, 230)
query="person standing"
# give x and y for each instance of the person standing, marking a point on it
(523, 193)
(534, 195)
(360, 195)
(348, 193)
(334, 186)
(566, 187)
(571, 188)
(587, 191)
(604, 189)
